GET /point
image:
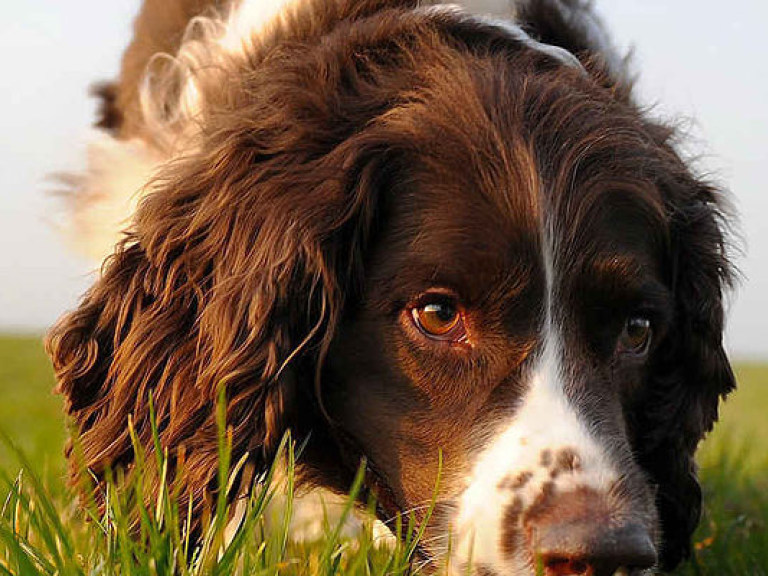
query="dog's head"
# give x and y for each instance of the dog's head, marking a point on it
(421, 234)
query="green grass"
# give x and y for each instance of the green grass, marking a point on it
(42, 531)
(29, 411)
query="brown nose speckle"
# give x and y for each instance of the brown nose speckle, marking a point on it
(576, 533)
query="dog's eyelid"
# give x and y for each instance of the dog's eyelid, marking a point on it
(658, 307)
(437, 294)
(653, 300)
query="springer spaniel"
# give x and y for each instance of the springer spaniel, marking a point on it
(398, 227)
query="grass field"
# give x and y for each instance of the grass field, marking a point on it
(732, 538)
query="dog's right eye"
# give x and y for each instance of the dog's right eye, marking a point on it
(440, 320)
(635, 339)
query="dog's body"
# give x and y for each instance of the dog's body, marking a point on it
(396, 229)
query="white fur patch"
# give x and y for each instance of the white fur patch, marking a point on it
(515, 32)
(248, 19)
(108, 193)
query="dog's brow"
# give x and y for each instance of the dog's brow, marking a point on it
(613, 265)
(627, 273)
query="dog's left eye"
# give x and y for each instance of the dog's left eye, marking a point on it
(440, 320)
(636, 336)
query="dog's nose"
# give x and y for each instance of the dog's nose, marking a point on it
(591, 548)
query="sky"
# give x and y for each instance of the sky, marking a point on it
(697, 62)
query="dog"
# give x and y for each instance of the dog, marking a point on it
(418, 235)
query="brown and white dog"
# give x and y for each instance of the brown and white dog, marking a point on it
(398, 227)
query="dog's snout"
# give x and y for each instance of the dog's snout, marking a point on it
(582, 547)
(580, 533)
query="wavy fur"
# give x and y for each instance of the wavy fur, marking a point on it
(276, 167)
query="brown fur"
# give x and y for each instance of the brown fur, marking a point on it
(364, 152)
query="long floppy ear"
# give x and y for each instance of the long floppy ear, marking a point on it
(692, 372)
(227, 275)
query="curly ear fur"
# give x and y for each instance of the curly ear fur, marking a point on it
(692, 373)
(228, 274)
(190, 302)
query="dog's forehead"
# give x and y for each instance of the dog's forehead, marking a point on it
(480, 238)
(456, 237)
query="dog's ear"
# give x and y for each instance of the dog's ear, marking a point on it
(691, 372)
(575, 26)
(232, 269)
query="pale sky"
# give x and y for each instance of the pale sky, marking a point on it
(702, 60)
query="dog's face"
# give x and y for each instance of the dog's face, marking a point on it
(473, 337)
(427, 237)
(509, 318)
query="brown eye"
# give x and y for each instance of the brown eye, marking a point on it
(440, 321)
(636, 336)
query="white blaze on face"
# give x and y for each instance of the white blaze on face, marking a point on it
(544, 424)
